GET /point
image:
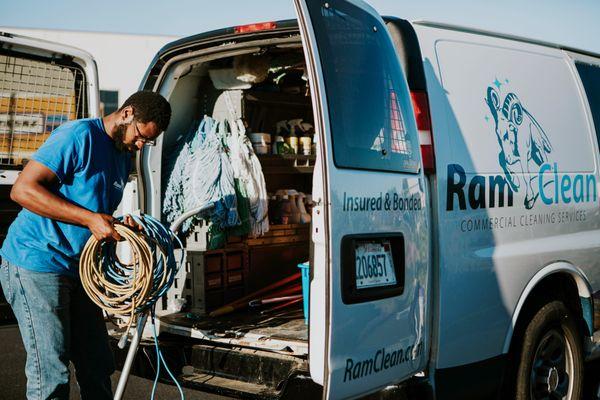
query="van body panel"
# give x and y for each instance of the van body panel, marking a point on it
(590, 91)
(374, 342)
(318, 309)
(513, 195)
(583, 289)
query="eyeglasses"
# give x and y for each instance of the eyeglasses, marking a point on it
(141, 138)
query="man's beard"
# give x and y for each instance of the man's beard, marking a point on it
(120, 137)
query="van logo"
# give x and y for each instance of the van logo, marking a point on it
(524, 146)
(524, 159)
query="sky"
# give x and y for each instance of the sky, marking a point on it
(573, 23)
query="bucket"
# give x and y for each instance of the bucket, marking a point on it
(305, 269)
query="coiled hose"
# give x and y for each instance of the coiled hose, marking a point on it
(130, 289)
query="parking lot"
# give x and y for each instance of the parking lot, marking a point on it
(12, 377)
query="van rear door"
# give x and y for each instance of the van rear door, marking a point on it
(370, 276)
(42, 85)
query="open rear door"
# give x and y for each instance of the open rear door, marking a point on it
(42, 85)
(370, 278)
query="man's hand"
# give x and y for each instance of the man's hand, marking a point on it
(102, 227)
(130, 222)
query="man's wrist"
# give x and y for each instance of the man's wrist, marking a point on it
(86, 217)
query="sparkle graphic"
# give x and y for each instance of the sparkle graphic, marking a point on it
(497, 83)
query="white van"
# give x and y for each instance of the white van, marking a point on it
(42, 85)
(460, 165)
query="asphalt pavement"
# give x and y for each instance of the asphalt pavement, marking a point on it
(12, 376)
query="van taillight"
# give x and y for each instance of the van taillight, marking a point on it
(261, 26)
(421, 107)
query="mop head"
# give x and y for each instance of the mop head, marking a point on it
(202, 175)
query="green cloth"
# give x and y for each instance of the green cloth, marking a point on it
(243, 208)
(217, 237)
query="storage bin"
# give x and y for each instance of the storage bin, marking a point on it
(305, 269)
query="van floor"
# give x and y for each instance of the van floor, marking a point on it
(283, 332)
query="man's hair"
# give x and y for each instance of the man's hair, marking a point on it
(150, 107)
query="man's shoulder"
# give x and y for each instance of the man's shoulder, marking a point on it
(79, 129)
(77, 125)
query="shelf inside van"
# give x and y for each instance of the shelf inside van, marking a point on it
(287, 163)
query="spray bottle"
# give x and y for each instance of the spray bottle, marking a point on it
(282, 130)
(294, 124)
(307, 139)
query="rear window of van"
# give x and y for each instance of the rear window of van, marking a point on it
(367, 95)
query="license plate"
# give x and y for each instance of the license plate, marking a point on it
(374, 265)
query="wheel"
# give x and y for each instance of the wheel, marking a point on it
(551, 358)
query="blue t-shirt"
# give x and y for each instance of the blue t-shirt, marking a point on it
(92, 174)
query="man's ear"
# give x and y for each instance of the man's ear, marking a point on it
(127, 114)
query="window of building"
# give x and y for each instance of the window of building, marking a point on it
(109, 100)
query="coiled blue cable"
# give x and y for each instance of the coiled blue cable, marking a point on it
(164, 269)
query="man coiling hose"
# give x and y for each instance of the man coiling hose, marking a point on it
(132, 288)
(69, 189)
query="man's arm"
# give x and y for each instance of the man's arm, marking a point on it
(31, 191)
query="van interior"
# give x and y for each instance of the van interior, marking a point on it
(268, 88)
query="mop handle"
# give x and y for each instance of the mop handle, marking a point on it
(133, 347)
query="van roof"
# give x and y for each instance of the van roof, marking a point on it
(43, 44)
(292, 24)
(223, 34)
(484, 32)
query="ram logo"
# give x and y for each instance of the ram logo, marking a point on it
(524, 146)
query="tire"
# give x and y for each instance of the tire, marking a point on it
(551, 357)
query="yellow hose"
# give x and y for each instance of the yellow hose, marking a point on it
(117, 287)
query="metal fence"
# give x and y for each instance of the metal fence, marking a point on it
(36, 96)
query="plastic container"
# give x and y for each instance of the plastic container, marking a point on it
(261, 148)
(260, 138)
(305, 269)
(306, 145)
